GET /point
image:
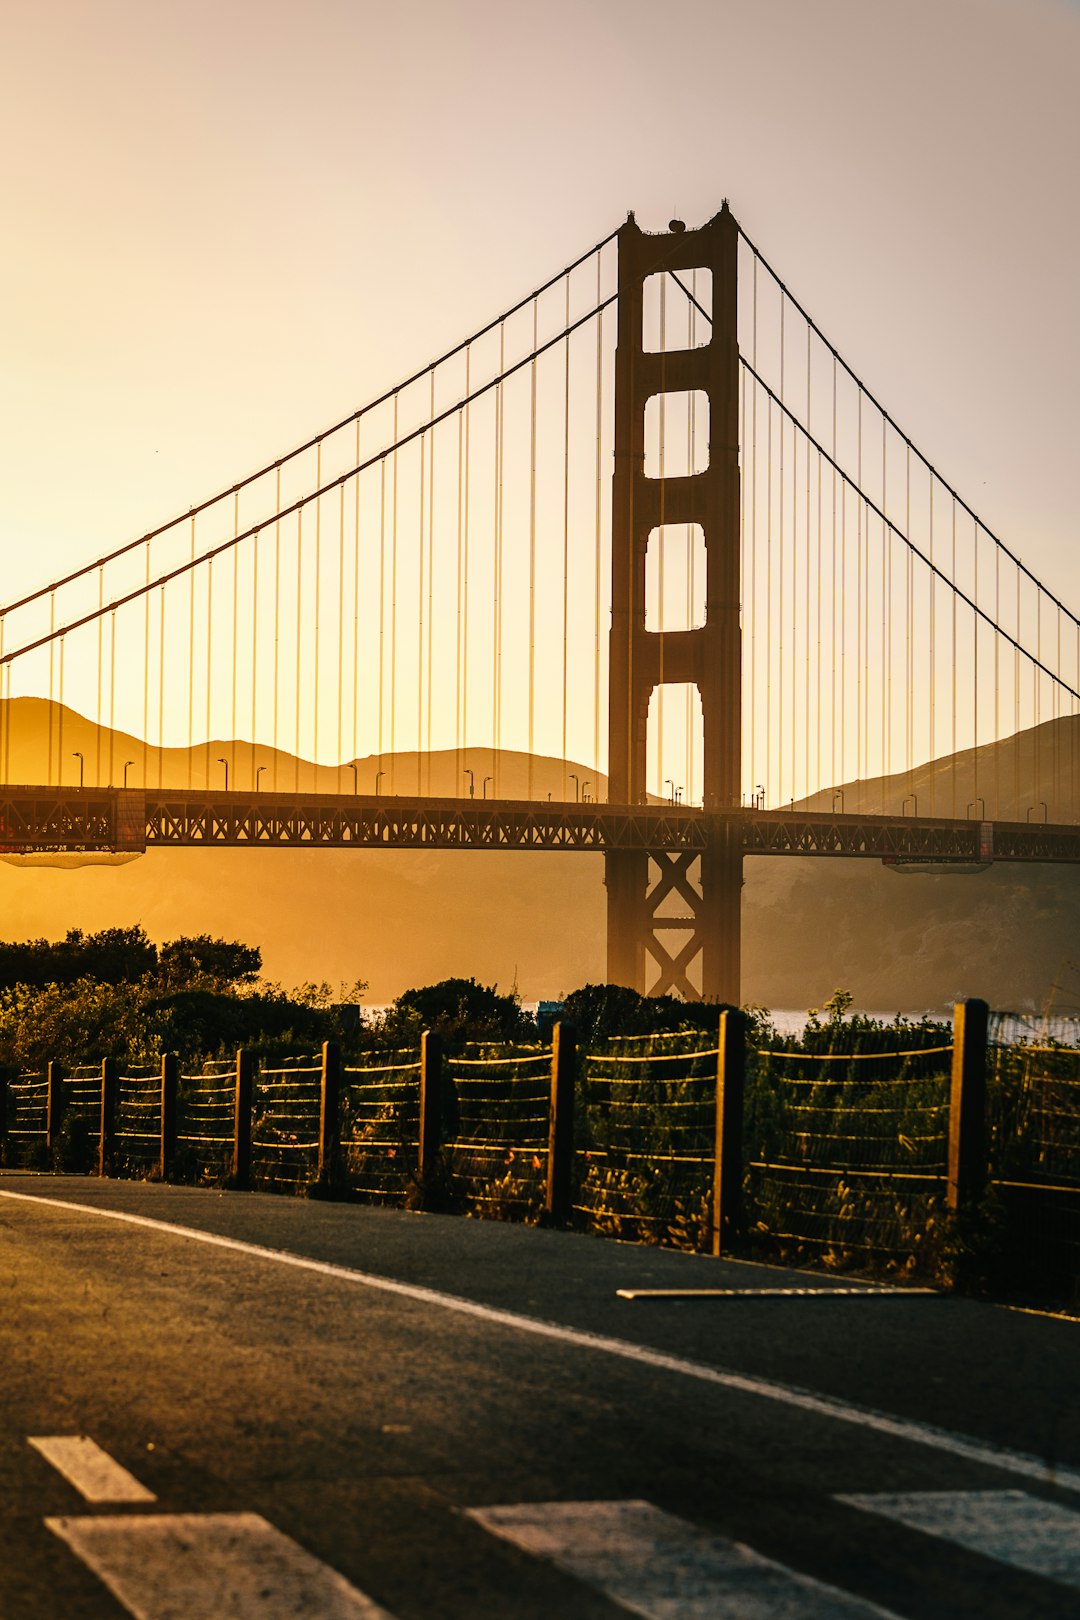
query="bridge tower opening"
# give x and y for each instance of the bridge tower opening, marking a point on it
(640, 884)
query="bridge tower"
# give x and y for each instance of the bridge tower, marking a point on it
(642, 886)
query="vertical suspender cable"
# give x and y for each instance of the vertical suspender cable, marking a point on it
(100, 632)
(420, 616)
(146, 673)
(465, 573)
(496, 628)
(355, 647)
(318, 615)
(780, 638)
(161, 695)
(597, 539)
(532, 550)
(393, 606)
(458, 762)
(430, 578)
(752, 614)
(209, 658)
(277, 616)
(566, 519)
(254, 653)
(382, 602)
(299, 601)
(235, 626)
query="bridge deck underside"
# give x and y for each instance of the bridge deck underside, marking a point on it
(108, 820)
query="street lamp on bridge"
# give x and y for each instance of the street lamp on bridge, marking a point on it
(258, 772)
(127, 764)
(220, 761)
(483, 786)
(577, 785)
(472, 782)
(76, 755)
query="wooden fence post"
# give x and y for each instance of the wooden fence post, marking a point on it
(329, 1114)
(430, 1110)
(241, 1160)
(728, 1152)
(968, 1168)
(110, 1096)
(170, 1082)
(54, 1105)
(559, 1192)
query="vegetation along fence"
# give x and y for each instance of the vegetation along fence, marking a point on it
(914, 1150)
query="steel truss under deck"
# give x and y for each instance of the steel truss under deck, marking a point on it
(121, 820)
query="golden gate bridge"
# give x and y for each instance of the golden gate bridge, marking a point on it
(648, 523)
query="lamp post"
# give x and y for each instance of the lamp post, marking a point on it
(221, 761)
(76, 755)
(472, 782)
(127, 763)
(483, 786)
(355, 789)
(258, 772)
(982, 803)
(378, 778)
(584, 789)
(669, 783)
(914, 797)
(838, 793)
(577, 785)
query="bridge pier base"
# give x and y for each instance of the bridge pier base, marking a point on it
(673, 919)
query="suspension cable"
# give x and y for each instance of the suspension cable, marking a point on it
(289, 511)
(310, 444)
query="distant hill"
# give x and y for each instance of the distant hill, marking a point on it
(1034, 775)
(407, 917)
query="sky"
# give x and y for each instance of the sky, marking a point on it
(228, 225)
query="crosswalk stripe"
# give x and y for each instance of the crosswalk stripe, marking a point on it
(1012, 1526)
(209, 1566)
(94, 1474)
(653, 1564)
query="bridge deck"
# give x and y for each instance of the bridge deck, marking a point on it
(91, 820)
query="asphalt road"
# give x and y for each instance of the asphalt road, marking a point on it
(373, 1384)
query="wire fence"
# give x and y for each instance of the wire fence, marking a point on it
(846, 1159)
(380, 1126)
(495, 1129)
(205, 1122)
(285, 1125)
(1033, 1117)
(646, 1139)
(136, 1134)
(26, 1121)
(846, 1156)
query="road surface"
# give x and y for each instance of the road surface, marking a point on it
(223, 1404)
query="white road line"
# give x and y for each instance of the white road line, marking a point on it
(868, 1292)
(212, 1566)
(653, 1564)
(906, 1429)
(92, 1471)
(1011, 1526)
